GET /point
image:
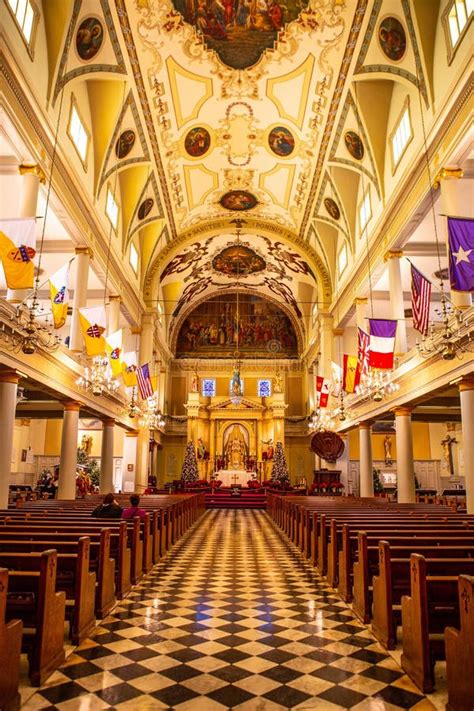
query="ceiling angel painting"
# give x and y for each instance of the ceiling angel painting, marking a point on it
(239, 30)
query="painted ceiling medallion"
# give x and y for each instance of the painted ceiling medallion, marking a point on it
(238, 260)
(332, 208)
(239, 31)
(281, 141)
(145, 208)
(89, 38)
(238, 200)
(124, 143)
(354, 145)
(392, 38)
(197, 142)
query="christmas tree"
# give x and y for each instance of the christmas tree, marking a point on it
(280, 474)
(89, 465)
(189, 472)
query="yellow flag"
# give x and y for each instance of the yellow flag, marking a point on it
(92, 323)
(129, 369)
(113, 344)
(351, 373)
(17, 249)
(59, 295)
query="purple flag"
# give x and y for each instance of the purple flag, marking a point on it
(461, 253)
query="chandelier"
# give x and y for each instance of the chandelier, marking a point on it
(133, 406)
(321, 420)
(451, 338)
(98, 378)
(30, 328)
(376, 385)
(151, 417)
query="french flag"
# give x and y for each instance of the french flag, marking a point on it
(382, 343)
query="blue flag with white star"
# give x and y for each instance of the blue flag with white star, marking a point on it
(461, 253)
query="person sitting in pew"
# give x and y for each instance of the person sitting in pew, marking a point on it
(134, 510)
(109, 508)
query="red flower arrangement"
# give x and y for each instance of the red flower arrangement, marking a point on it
(253, 484)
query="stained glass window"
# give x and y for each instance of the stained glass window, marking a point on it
(208, 387)
(264, 388)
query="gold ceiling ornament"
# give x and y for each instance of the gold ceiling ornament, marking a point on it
(445, 174)
(34, 169)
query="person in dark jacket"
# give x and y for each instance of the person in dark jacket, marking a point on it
(134, 510)
(109, 508)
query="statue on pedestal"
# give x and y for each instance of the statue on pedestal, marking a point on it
(235, 450)
(195, 383)
(387, 445)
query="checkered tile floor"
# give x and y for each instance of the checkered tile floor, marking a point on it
(233, 618)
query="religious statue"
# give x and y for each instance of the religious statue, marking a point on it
(278, 385)
(447, 444)
(86, 444)
(195, 383)
(235, 450)
(387, 445)
(201, 449)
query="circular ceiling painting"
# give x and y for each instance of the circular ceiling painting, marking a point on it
(392, 38)
(124, 143)
(332, 208)
(354, 145)
(281, 141)
(238, 200)
(89, 38)
(145, 208)
(238, 260)
(197, 141)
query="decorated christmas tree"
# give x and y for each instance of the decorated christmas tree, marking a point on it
(280, 474)
(189, 472)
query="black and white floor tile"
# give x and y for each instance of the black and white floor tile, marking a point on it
(232, 618)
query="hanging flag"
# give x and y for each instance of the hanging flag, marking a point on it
(336, 378)
(129, 369)
(420, 300)
(93, 327)
(144, 381)
(59, 295)
(382, 343)
(322, 389)
(461, 253)
(113, 346)
(363, 350)
(351, 373)
(17, 249)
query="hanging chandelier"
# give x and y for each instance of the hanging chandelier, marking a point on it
(133, 406)
(30, 328)
(452, 337)
(376, 385)
(98, 378)
(321, 420)
(151, 417)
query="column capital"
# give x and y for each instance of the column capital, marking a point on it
(337, 332)
(131, 433)
(393, 254)
(403, 410)
(135, 330)
(361, 300)
(71, 406)
(83, 249)
(466, 383)
(115, 297)
(9, 376)
(108, 422)
(367, 425)
(32, 169)
(445, 174)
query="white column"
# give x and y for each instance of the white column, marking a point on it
(113, 314)
(396, 299)
(107, 456)
(83, 257)
(143, 444)
(466, 394)
(366, 485)
(361, 312)
(405, 465)
(338, 347)
(32, 176)
(456, 201)
(8, 388)
(68, 461)
(325, 344)
(147, 337)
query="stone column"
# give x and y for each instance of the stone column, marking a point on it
(466, 394)
(212, 441)
(259, 441)
(361, 312)
(456, 201)
(8, 388)
(83, 257)
(107, 456)
(143, 446)
(147, 337)
(405, 464)
(113, 314)
(338, 347)
(396, 299)
(366, 477)
(68, 461)
(325, 344)
(32, 176)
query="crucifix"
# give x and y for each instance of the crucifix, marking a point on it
(447, 444)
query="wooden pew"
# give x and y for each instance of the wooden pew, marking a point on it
(10, 651)
(32, 596)
(459, 644)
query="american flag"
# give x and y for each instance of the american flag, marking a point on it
(363, 347)
(420, 300)
(144, 381)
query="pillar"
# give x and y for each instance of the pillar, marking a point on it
(113, 320)
(466, 394)
(259, 441)
(68, 461)
(32, 176)
(456, 201)
(129, 461)
(338, 347)
(107, 456)
(366, 477)
(8, 388)
(325, 344)
(83, 257)
(397, 307)
(147, 337)
(212, 442)
(361, 312)
(405, 465)
(143, 446)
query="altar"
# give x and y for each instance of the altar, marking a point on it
(231, 477)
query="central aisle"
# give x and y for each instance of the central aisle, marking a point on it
(232, 618)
